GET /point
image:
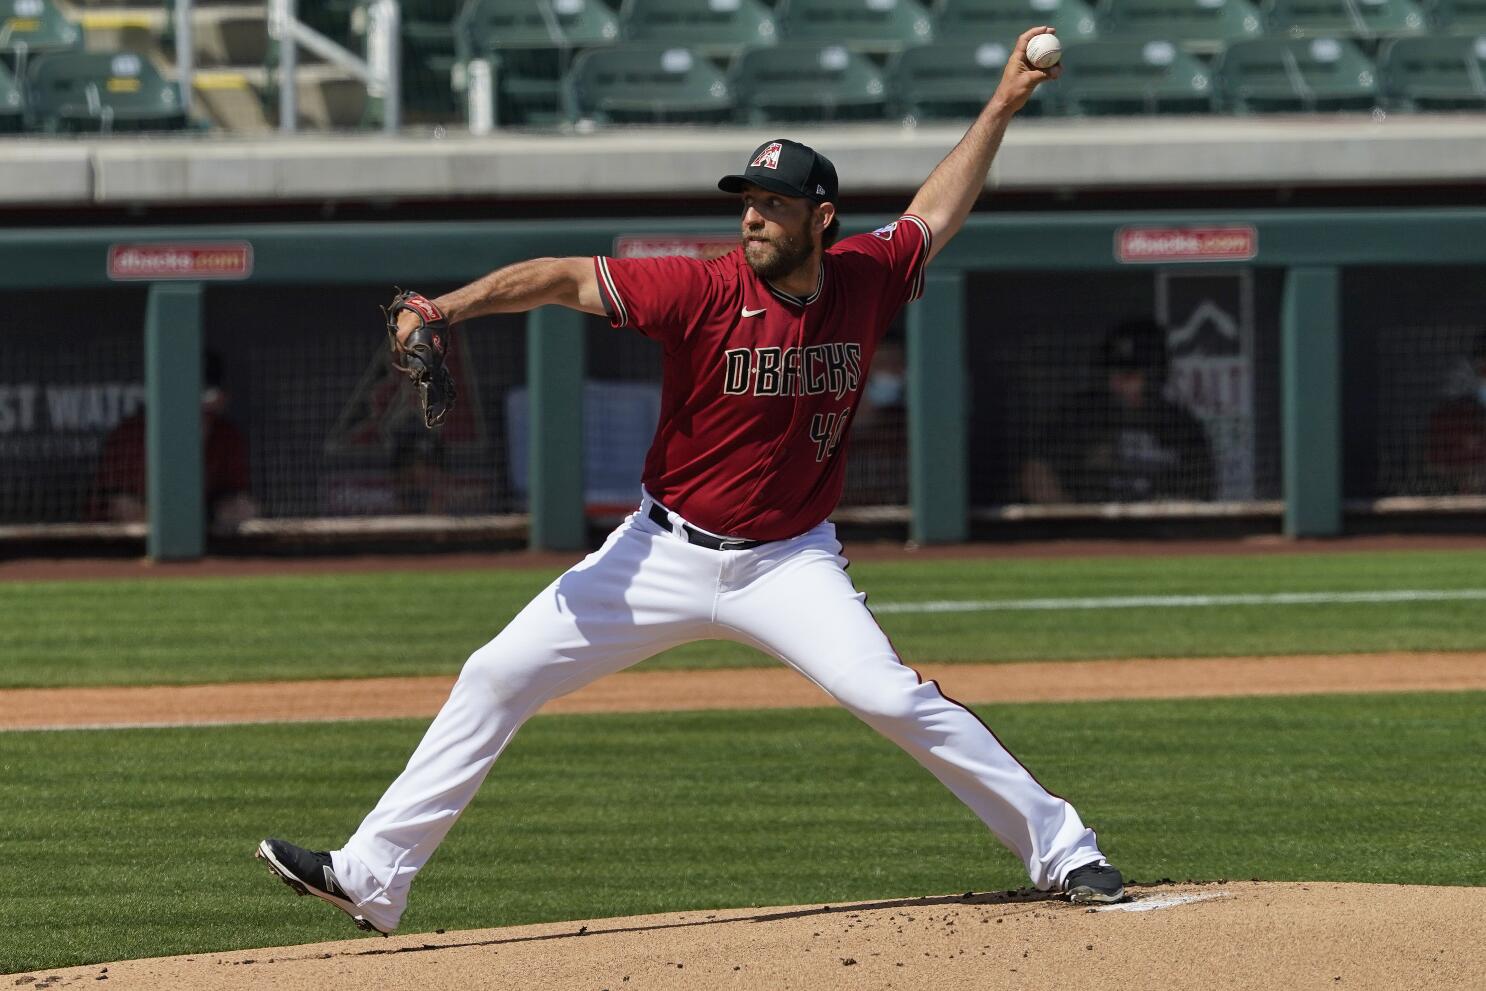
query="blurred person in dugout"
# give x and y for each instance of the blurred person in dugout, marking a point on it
(1455, 452)
(877, 471)
(1122, 439)
(119, 491)
(419, 470)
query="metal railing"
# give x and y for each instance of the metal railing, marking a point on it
(380, 70)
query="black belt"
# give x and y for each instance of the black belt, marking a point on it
(700, 537)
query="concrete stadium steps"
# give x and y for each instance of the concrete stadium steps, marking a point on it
(233, 89)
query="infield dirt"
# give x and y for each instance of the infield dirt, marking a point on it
(748, 688)
(1230, 935)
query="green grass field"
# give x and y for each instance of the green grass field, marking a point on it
(223, 629)
(139, 843)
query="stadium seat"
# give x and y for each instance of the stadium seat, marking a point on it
(708, 26)
(651, 84)
(12, 110)
(802, 82)
(876, 25)
(1342, 18)
(1213, 21)
(511, 25)
(1435, 73)
(1459, 16)
(431, 11)
(531, 44)
(31, 27)
(428, 60)
(100, 91)
(1295, 74)
(1002, 21)
(428, 57)
(953, 80)
(1134, 77)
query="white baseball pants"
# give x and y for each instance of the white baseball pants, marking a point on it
(647, 590)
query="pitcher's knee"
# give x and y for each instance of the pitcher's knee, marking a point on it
(500, 672)
(878, 699)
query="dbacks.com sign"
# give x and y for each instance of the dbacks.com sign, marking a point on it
(1186, 244)
(157, 262)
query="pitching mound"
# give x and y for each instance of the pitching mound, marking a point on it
(1229, 934)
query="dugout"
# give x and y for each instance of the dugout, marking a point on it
(1334, 333)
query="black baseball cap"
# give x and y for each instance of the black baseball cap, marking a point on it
(786, 167)
(1137, 344)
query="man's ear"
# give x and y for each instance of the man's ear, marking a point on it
(824, 214)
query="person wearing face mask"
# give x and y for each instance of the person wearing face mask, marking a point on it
(1122, 440)
(1456, 446)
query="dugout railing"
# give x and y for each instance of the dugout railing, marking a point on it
(1310, 247)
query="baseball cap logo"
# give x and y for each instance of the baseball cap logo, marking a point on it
(768, 158)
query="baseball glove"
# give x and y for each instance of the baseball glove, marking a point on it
(421, 356)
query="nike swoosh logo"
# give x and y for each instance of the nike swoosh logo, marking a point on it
(753, 313)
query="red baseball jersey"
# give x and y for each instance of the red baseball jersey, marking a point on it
(759, 386)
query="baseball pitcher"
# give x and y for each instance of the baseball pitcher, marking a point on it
(765, 353)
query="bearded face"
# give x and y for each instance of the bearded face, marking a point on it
(776, 234)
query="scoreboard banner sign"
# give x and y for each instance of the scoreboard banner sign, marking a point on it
(190, 262)
(1186, 244)
(703, 246)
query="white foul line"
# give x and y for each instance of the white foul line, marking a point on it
(1181, 601)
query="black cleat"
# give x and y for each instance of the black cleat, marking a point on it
(1097, 884)
(309, 872)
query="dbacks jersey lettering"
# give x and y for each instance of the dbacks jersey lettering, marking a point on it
(759, 386)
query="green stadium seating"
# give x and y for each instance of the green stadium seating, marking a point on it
(1459, 16)
(1343, 18)
(428, 60)
(1435, 73)
(100, 91)
(1004, 20)
(1212, 21)
(875, 25)
(12, 108)
(953, 80)
(531, 44)
(428, 55)
(509, 25)
(1297, 74)
(1134, 77)
(36, 26)
(803, 82)
(709, 26)
(652, 84)
(431, 11)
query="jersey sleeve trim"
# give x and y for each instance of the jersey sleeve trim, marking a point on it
(922, 261)
(609, 292)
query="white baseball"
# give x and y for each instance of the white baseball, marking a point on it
(1044, 51)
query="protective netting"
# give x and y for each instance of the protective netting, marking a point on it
(317, 427)
(334, 432)
(1131, 387)
(72, 380)
(1415, 388)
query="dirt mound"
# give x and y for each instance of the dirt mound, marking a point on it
(1232, 935)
